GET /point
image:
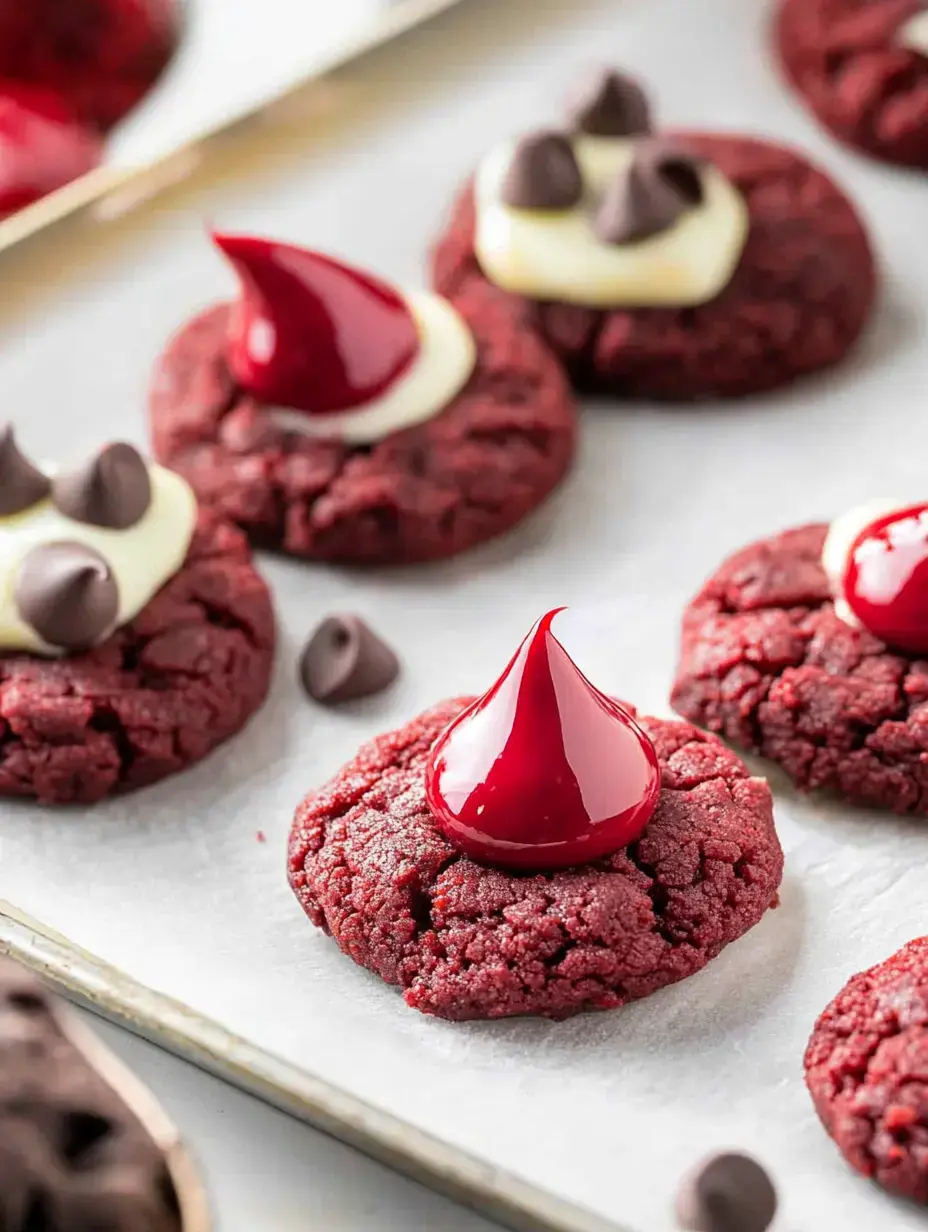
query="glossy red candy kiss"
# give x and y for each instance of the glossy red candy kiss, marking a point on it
(885, 580)
(543, 771)
(42, 145)
(310, 333)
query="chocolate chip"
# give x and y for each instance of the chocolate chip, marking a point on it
(112, 490)
(81, 1133)
(609, 104)
(543, 174)
(344, 660)
(66, 592)
(727, 1193)
(21, 484)
(658, 186)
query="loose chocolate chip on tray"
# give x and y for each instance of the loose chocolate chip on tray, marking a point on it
(543, 174)
(21, 484)
(658, 186)
(112, 490)
(345, 660)
(609, 104)
(727, 1193)
(66, 592)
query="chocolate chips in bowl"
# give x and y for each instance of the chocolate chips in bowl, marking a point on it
(83, 1144)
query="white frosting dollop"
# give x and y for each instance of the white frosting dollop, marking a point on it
(141, 558)
(837, 548)
(438, 373)
(556, 254)
(914, 33)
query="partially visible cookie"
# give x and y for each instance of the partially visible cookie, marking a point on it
(809, 649)
(135, 632)
(866, 1069)
(861, 67)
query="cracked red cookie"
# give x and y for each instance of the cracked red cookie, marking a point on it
(861, 67)
(484, 906)
(773, 663)
(135, 632)
(866, 1067)
(378, 428)
(673, 266)
(101, 56)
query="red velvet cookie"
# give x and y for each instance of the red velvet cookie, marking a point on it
(472, 470)
(866, 1067)
(102, 56)
(767, 662)
(850, 62)
(797, 301)
(152, 699)
(378, 856)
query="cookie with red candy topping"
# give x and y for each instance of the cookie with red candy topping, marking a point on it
(808, 648)
(780, 275)
(861, 67)
(650, 848)
(375, 427)
(866, 1066)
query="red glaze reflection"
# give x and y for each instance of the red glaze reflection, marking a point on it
(885, 578)
(42, 145)
(310, 333)
(543, 771)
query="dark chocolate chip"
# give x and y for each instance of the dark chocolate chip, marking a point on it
(609, 104)
(66, 592)
(344, 660)
(659, 186)
(21, 484)
(82, 1133)
(112, 490)
(543, 174)
(727, 1193)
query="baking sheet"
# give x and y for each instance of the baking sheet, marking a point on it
(175, 886)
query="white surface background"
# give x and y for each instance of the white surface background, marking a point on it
(173, 884)
(235, 55)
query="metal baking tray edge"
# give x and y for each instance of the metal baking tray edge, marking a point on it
(111, 994)
(136, 184)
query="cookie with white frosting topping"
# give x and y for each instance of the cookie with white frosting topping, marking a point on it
(667, 265)
(135, 633)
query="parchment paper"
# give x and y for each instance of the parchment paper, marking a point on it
(173, 883)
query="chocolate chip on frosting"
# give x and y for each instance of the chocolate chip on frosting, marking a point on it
(345, 660)
(609, 104)
(66, 592)
(658, 186)
(111, 490)
(543, 174)
(21, 484)
(727, 1193)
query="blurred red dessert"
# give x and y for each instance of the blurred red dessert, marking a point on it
(42, 145)
(102, 56)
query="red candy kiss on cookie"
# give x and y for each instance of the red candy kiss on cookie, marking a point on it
(310, 333)
(543, 771)
(42, 145)
(885, 580)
